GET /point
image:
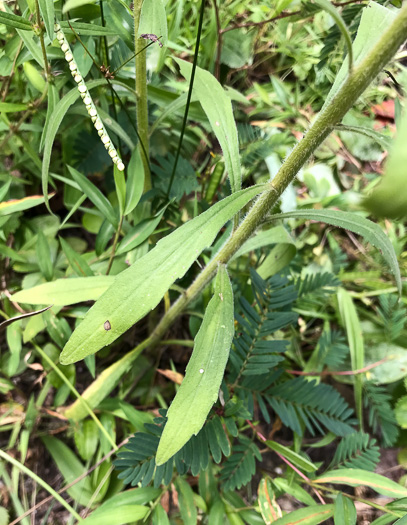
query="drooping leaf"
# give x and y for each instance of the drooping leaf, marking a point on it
(200, 387)
(66, 291)
(139, 289)
(218, 108)
(356, 224)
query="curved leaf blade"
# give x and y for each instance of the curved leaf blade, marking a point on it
(357, 477)
(356, 224)
(63, 292)
(307, 516)
(200, 387)
(140, 288)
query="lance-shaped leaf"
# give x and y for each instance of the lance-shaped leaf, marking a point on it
(369, 230)
(140, 288)
(200, 388)
(218, 109)
(307, 516)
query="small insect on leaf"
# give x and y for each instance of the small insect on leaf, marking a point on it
(107, 326)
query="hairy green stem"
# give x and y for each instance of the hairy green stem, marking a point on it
(354, 86)
(141, 90)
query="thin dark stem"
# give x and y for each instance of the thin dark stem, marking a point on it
(41, 35)
(191, 85)
(116, 238)
(219, 46)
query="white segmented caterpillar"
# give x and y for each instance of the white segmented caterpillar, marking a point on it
(87, 99)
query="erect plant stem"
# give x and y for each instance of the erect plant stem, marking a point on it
(141, 90)
(333, 113)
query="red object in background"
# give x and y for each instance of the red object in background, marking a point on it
(384, 111)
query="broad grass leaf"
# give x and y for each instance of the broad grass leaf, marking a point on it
(9, 107)
(298, 460)
(117, 516)
(63, 292)
(307, 516)
(353, 328)
(344, 511)
(358, 477)
(269, 508)
(48, 15)
(153, 19)
(56, 118)
(369, 230)
(375, 20)
(18, 22)
(218, 109)
(199, 389)
(95, 196)
(15, 205)
(140, 288)
(389, 197)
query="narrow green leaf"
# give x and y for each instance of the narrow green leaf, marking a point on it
(357, 477)
(135, 182)
(44, 257)
(344, 511)
(293, 457)
(140, 288)
(9, 107)
(354, 332)
(76, 261)
(18, 22)
(375, 20)
(63, 292)
(70, 468)
(87, 29)
(33, 47)
(95, 196)
(187, 507)
(277, 259)
(120, 184)
(15, 205)
(139, 234)
(276, 235)
(294, 489)
(389, 197)
(307, 516)
(153, 19)
(200, 387)
(218, 109)
(48, 15)
(329, 8)
(52, 101)
(369, 230)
